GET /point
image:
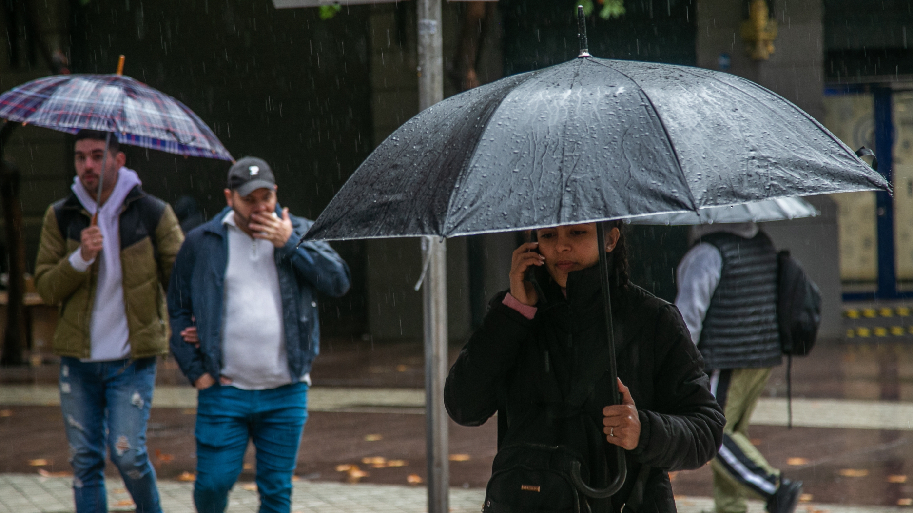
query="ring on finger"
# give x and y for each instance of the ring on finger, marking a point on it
(612, 432)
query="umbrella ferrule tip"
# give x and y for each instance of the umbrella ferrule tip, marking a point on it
(584, 54)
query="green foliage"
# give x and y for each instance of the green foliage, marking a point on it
(328, 11)
(610, 8)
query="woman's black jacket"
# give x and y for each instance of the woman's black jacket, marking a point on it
(502, 369)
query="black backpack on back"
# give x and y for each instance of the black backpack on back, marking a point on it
(798, 315)
(798, 307)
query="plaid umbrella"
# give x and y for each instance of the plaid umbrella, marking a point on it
(137, 113)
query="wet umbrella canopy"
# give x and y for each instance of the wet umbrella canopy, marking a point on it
(588, 140)
(137, 113)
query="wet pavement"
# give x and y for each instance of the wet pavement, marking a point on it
(851, 441)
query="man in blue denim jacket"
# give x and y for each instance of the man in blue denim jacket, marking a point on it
(245, 331)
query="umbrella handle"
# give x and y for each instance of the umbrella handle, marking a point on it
(598, 493)
(101, 177)
(620, 477)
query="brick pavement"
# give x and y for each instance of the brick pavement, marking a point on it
(31, 493)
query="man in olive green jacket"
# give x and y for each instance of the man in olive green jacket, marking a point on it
(106, 268)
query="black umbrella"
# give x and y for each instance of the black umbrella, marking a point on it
(589, 140)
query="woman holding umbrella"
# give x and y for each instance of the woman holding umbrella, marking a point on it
(539, 360)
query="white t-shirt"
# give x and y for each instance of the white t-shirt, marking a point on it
(254, 354)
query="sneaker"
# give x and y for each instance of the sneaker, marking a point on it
(786, 498)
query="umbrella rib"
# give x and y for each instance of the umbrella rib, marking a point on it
(678, 162)
(563, 140)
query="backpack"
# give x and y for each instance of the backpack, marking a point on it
(798, 315)
(798, 307)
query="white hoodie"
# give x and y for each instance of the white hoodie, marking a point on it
(109, 332)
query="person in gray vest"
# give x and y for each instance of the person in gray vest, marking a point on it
(727, 295)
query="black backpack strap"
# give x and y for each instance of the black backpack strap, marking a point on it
(789, 389)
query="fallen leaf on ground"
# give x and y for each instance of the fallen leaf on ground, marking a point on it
(401, 368)
(250, 487)
(853, 472)
(163, 457)
(187, 476)
(343, 468)
(375, 461)
(458, 457)
(296, 478)
(123, 503)
(40, 462)
(755, 442)
(414, 479)
(806, 497)
(905, 502)
(397, 463)
(796, 462)
(189, 411)
(6, 413)
(248, 466)
(355, 474)
(897, 479)
(373, 438)
(64, 473)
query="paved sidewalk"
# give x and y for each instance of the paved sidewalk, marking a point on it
(815, 413)
(34, 494)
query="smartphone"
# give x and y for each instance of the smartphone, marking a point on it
(530, 275)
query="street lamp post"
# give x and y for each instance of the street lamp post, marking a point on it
(430, 91)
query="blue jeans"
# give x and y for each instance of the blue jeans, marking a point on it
(227, 417)
(107, 404)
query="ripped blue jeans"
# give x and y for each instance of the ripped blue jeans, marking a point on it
(106, 405)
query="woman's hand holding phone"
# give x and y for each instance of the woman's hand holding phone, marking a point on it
(524, 257)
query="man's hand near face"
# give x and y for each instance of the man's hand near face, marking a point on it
(90, 243)
(269, 227)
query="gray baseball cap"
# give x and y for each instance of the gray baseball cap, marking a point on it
(249, 174)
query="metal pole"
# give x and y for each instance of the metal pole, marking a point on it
(435, 300)
(430, 91)
(430, 54)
